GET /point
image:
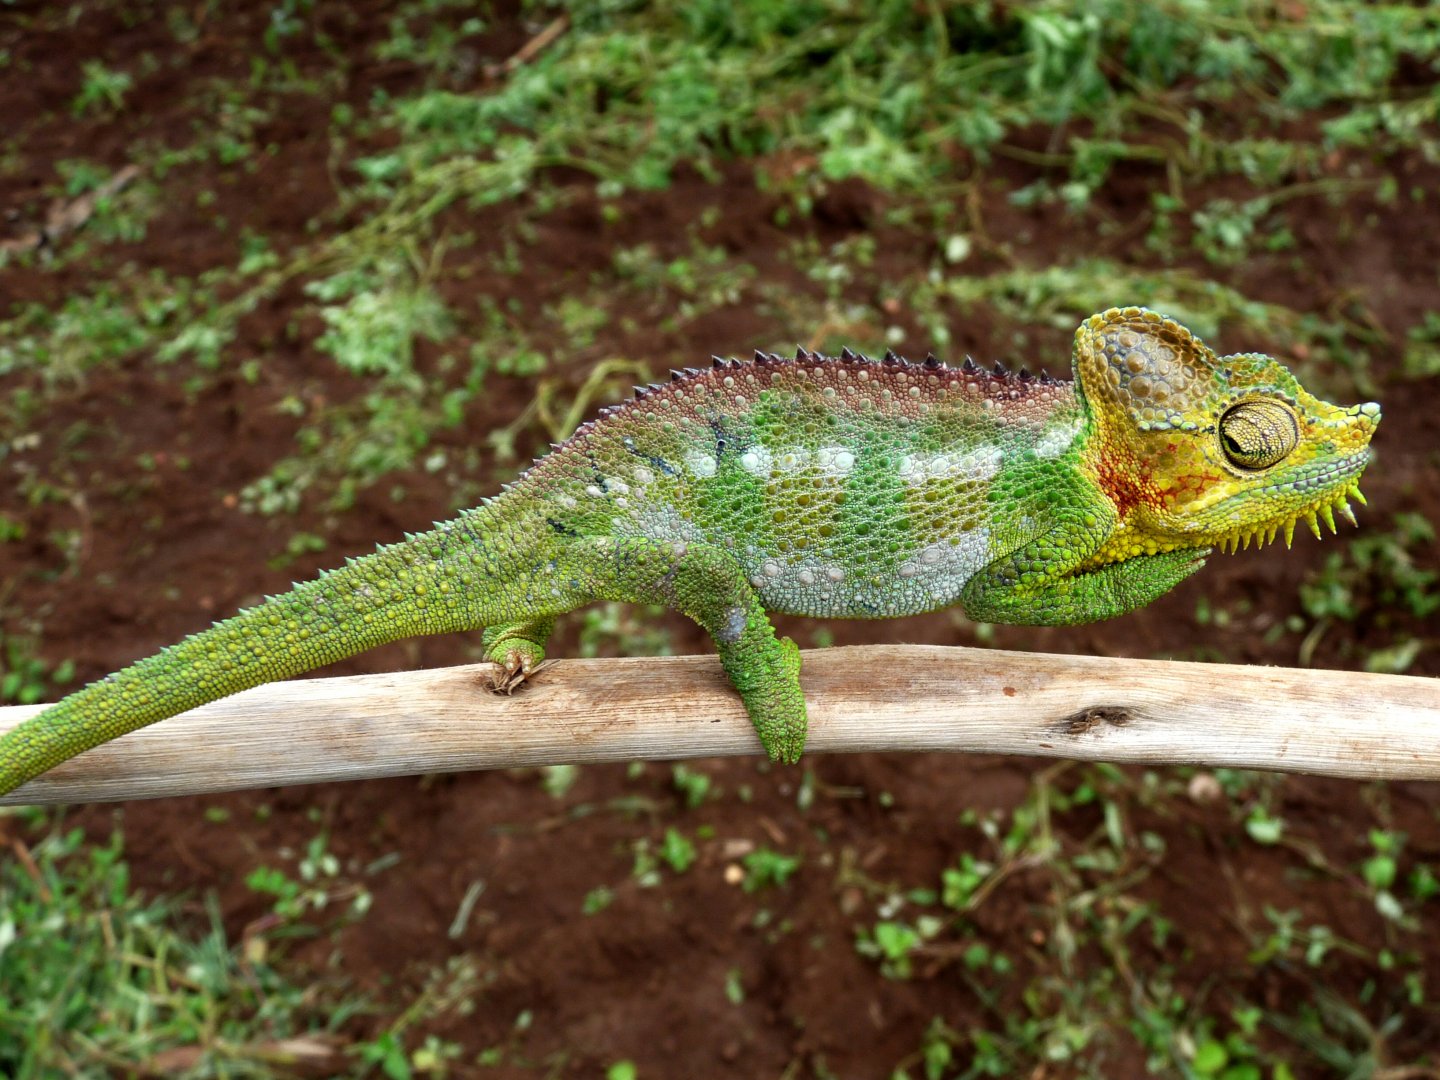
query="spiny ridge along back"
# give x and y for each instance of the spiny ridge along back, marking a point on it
(848, 357)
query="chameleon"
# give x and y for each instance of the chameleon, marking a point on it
(827, 486)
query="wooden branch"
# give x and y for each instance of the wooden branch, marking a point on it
(875, 697)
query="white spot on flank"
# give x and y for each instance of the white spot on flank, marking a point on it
(792, 459)
(700, 463)
(756, 461)
(643, 475)
(836, 460)
(978, 463)
(658, 522)
(947, 565)
(593, 490)
(1056, 440)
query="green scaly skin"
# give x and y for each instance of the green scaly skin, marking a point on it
(837, 487)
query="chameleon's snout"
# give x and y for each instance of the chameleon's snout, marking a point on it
(1340, 430)
(1350, 430)
(1368, 414)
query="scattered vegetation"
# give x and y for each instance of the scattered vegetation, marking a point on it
(884, 175)
(1096, 844)
(24, 677)
(95, 977)
(1384, 579)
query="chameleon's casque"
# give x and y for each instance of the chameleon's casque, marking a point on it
(830, 486)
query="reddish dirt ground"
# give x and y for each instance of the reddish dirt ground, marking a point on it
(162, 552)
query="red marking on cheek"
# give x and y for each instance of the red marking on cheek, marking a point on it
(1194, 483)
(1182, 487)
(1187, 488)
(1127, 488)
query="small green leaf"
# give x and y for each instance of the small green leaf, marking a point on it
(678, 851)
(1210, 1057)
(1264, 829)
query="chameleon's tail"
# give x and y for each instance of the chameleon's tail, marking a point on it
(416, 587)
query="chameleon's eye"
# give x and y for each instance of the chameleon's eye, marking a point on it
(1257, 434)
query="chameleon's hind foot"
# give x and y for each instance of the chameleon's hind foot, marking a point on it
(519, 650)
(515, 672)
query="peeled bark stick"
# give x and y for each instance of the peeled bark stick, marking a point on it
(864, 698)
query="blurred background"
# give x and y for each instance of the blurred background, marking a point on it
(282, 280)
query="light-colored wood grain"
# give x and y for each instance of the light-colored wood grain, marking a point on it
(876, 697)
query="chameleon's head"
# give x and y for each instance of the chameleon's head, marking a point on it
(1199, 450)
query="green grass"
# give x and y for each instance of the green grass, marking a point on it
(702, 82)
(25, 678)
(1384, 579)
(95, 977)
(1112, 966)
(934, 107)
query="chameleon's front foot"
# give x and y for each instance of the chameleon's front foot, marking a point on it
(519, 650)
(708, 585)
(763, 667)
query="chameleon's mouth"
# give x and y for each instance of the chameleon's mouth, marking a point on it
(1330, 488)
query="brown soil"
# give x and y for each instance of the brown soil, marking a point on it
(163, 551)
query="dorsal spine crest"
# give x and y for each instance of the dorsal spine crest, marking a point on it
(992, 381)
